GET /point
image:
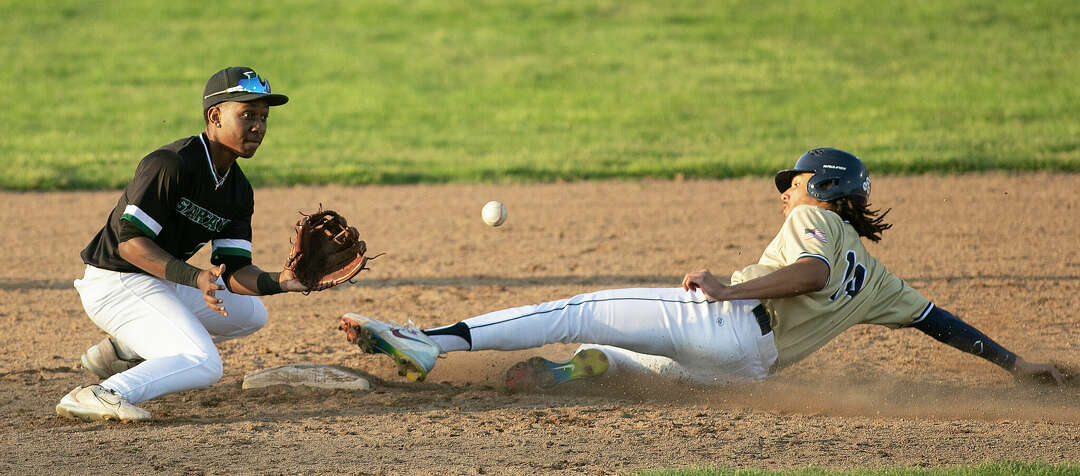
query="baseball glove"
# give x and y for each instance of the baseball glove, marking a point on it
(326, 251)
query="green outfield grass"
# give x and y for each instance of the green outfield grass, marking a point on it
(989, 469)
(520, 90)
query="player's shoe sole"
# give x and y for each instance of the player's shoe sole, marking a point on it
(413, 353)
(102, 360)
(540, 373)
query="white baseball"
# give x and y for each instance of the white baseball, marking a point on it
(494, 213)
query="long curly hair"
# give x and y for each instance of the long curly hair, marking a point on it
(867, 223)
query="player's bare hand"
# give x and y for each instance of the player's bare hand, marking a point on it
(706, 282)
(288, 282)
(207, 282)
(1038, 373)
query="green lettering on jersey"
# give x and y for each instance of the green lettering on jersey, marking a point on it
(200, 215)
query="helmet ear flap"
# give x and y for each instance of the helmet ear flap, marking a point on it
(826, 184)
(818, 186)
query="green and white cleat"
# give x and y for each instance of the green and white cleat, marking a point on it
(540, 373)
(413, 352)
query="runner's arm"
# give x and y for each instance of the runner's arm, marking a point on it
(803, 276)
(949, 329)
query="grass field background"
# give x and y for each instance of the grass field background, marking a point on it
(520, 90)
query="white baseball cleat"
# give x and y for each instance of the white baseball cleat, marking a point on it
(103, 361)
(94, 403)
(412, 350)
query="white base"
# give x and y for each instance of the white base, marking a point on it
(311, 375)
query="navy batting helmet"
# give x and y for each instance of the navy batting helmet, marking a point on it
(837, 174)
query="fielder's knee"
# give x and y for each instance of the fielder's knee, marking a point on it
(256, 319)
(207, 370)
(244, 322)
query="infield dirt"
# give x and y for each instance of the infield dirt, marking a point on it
(999, 250)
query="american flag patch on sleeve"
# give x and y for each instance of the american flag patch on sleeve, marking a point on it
(815, 234)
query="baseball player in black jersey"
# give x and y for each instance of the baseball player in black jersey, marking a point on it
(162, 314)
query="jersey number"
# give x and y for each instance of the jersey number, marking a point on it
(854, 276)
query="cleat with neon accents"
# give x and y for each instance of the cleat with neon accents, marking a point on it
(540, 373)
(413, 352)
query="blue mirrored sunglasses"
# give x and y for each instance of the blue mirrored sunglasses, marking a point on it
(247, 85)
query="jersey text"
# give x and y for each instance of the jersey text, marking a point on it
(201, 215)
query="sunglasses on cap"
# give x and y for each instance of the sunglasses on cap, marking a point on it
(253, 84)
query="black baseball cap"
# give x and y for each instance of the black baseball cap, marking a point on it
(240, 84)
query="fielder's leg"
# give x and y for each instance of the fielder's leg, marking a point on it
(149, 317)
(247, 314)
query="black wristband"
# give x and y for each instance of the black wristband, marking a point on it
(268, 283)
(180, 272)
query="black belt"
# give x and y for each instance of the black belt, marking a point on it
(762, 319)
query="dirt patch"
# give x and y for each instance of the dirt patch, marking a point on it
(999, 250)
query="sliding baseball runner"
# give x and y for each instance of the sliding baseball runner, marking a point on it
(813, 281)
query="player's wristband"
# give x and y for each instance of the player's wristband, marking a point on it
(268, 283)
(180, 272)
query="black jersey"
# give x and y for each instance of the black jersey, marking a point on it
(177, 199)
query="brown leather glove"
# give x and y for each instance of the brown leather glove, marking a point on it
(326, 252)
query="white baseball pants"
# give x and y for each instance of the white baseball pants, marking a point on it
(167, 324)
(668, 332)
